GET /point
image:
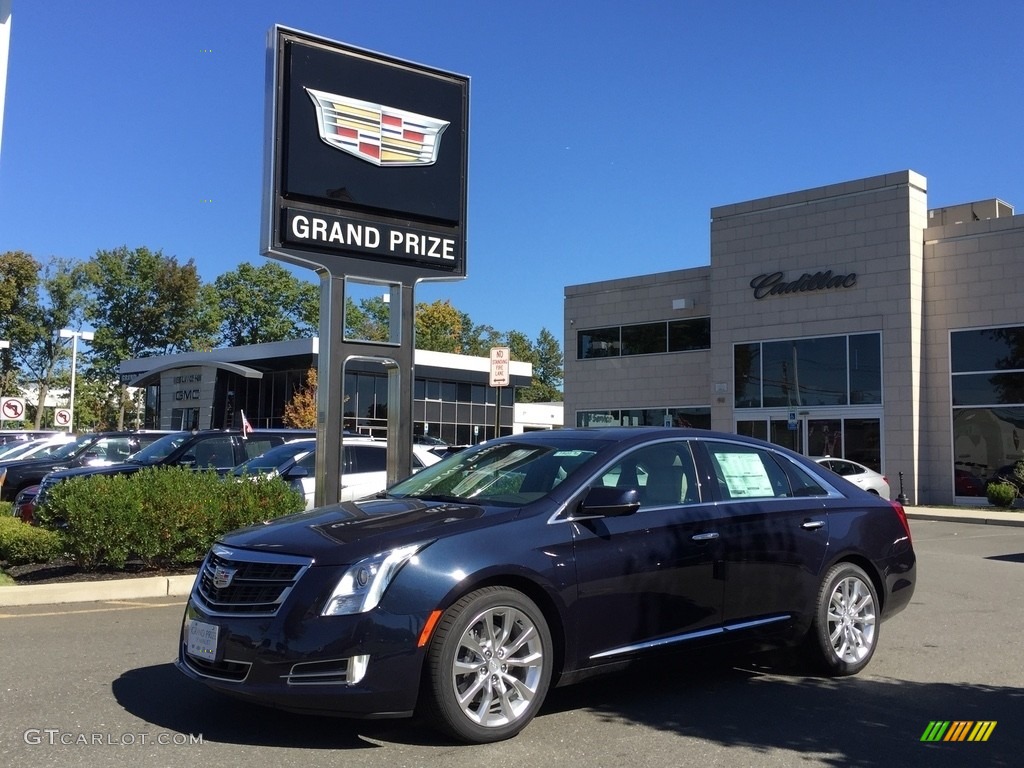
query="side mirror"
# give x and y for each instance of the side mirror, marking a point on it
(610, 502)
(296, 473)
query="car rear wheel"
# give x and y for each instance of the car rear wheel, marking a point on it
(488, 666)
(844, 633)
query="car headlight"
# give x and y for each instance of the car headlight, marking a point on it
(363, 585)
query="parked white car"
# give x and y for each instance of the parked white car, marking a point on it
(34, 447)
(858, 474)
(364, 466)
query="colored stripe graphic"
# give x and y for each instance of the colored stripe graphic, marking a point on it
(958, 730)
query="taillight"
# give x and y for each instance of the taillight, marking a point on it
(902, 515)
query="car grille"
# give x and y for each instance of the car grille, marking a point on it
(236, 582)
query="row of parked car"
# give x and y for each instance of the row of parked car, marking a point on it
(286, 453)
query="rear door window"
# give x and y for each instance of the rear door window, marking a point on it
(369, 458)
(744, 472)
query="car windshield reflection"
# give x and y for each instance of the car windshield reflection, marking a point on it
(505, 473)
(160, 449)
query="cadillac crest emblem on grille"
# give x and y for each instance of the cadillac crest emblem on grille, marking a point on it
(222, 576)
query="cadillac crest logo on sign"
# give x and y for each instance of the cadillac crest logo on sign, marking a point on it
(377, 133)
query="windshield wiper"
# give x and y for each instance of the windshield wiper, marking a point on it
(437, 497)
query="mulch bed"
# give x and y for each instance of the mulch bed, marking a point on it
(62, 571)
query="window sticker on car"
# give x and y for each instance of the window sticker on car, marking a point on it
(561, 454)
(744, 475)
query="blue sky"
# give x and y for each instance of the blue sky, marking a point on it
(601, 133)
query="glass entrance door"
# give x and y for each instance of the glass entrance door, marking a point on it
(856, 438)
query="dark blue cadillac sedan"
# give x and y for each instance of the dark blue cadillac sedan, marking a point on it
(465, 592)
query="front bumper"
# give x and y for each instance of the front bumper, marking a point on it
(365, 665)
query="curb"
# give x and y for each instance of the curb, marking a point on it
(976, 517)
(92, 591)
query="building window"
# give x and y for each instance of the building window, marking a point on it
(598, 342)
(698, 417)
(688, 335)
(645, 339)
(987, 387)
(800, 373)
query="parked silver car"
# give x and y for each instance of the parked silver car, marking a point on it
(858, 474)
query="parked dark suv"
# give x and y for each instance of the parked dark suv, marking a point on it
(89, 450)
(219, 449)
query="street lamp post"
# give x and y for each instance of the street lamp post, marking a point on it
(67, 333)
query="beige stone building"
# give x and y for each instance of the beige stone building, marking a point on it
(848, 320)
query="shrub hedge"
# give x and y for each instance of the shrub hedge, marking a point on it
(159, 516)
(21, 544)
(1001, 494)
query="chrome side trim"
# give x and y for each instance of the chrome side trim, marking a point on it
(688, 636)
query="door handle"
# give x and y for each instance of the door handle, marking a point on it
(704, 536)
(812, 525)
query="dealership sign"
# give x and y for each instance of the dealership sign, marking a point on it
(367, 159)
(775, 284)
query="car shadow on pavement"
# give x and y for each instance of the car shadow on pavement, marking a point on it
(764, 703)
(770, 702)
(188, 707)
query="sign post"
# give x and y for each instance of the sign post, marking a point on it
(365, 179)
(499, 378)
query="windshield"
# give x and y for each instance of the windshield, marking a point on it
(514, 472)
(160, 449)
(75, 447)
(270, 460)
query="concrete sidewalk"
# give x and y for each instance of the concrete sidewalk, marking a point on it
(96, 591)
(172, 586)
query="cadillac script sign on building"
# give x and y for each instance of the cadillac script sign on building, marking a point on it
(366, 162)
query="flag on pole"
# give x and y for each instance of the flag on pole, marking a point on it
(246, 426)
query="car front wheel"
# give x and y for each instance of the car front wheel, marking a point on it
(488, 666)
(844, 633)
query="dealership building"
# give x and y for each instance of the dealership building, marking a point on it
(847, 320)
(452, 396)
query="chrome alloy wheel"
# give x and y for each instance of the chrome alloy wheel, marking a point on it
(498, 666)
(851, 620)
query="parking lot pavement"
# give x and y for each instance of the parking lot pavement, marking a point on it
(177, 586)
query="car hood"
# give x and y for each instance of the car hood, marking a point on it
(343, 533)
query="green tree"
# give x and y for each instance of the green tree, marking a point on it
(263, 304)
(142, 303)
(477, 340)
(369, 320)
(547, 371)
(438, 326)
(44, 355)
(19, 283)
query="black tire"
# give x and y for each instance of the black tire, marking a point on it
(844, 634)
(488, 666)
